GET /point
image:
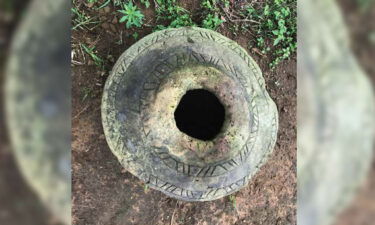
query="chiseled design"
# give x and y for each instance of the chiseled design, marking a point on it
(143, 91)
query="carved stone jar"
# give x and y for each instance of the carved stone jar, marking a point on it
(186, 111)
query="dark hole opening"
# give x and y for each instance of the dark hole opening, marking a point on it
(200, 114)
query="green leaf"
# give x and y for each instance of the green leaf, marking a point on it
(266, 10)
(128, 24)
(276, 41)
(270, 24)
(123, 19)
(137, 23)
(135, 35)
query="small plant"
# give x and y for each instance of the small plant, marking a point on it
(81, 20)
(91, 52)
(135, 35)
(182, 21)
(146, 3)
(145, 188)
(106, 3)
(226, 3)
(211, 22)
(277, 26)
(232, 199)
(86, 92)
(212, 11)
(176, 16)
(209, 4)
(117, 2)
(168, 10)
(212, 5)
(131, 15)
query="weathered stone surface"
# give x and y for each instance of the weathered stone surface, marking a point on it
(143, 92)
(37, 99)
(335, 115)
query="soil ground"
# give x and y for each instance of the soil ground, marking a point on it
(105, 193)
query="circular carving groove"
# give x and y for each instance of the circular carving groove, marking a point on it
(186, 111)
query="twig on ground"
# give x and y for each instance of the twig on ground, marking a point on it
(156, 4)
(82, 53)
(77, 63)
(79, 113)
(257, 51)
(238, 19)
(246, 20)
(174, 211)
(226, 14)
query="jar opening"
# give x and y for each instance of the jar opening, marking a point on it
(200, 114)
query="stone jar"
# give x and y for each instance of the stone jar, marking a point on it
(186, 111)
